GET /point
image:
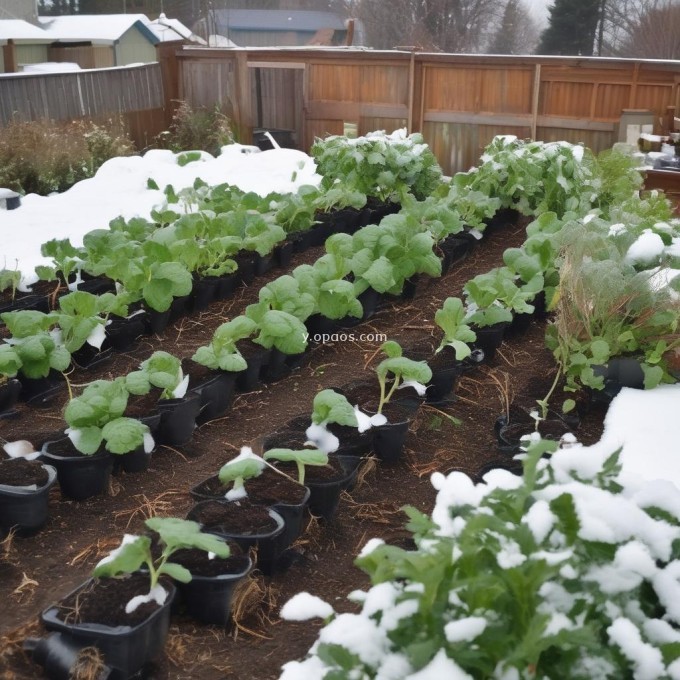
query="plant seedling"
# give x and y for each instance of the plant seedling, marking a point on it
(300, 457)
(457, 334)
(405, 372)
(245, 466)
(162, 370)
(135, 551)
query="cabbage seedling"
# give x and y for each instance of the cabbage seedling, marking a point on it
(300, 457)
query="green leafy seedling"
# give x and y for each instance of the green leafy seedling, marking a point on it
(300, 457)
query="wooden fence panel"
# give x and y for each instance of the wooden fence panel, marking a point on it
(134, 93)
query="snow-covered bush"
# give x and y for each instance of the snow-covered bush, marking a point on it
(572, 571)
(381, 165)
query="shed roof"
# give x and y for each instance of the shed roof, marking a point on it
(167, 30)
(20, 30)
(278, 20)
(95, 28)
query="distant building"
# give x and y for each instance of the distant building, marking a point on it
(278, 27)
(91, 41)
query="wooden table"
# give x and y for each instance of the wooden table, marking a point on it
(666, 180)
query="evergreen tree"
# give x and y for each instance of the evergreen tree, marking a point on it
(572, 27)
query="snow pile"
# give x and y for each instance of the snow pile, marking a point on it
(119, 188)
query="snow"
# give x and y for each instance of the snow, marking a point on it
(440, 667)
(157, 594)
(120, 188)
(647, 660)
(320, 437)
(366, 422)
(21, 448)
(19, 30)
(99, 28)
(360, 635)
(465, 630)
(51, 67)
(303, 606)
(647, 248)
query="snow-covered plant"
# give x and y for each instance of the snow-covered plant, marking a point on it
(301, 458)
(96, 416)
(238, 470)
(457, 334)
(222, 351)
(381, 165)
(135, 552)
(569, 572)
(534, 177)
(402, 371)
(161, 370)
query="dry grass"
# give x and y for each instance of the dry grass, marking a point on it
(380, 513)
(252, 605)
(95, 551)
(11, 646)
(25, 590)
(8, 548)
(161, 505)
(188, 650)
(367, 470)
(89, 665)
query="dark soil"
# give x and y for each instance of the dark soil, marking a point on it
(37, 571)
(199, 564)
(20, 472)
(236, 518)
(103, 601)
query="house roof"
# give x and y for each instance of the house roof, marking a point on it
(167, 30)
(19, 31)
(278, 20)
(102, 29)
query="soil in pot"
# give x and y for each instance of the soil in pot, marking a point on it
(352, 442)
(94, 614)
(24, 495)
(325, 482)
(270, 489)
(19, 472)
(246, 523)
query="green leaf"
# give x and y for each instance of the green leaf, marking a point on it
(124, 435)
(127, 558)
(89, 440)
(137, 382)
(331, 407)
(176, 572)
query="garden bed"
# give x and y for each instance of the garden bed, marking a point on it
(33, 572)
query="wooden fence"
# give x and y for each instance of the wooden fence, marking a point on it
(458, 102)
(135, 93)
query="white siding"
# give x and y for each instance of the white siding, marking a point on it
(133, 48)
(30, 54)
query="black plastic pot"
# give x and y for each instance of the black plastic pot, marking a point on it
(293, 514)
(97, 285)
(216, 395)
(283, 254)
(157, 322)
(318, 324)
(39, 303)
(301, 240)
(178, 419)
(264, 264)
(489, 339)
(249, 379)
(270, 545)
(59, 654)
(325, 496)
(9, 393)
(152, 421)
(203, 292)
(347, 220)
(388, 440)
(245, 274)
(505, 217)
(91, 357)
(276, 367)
(207, 599)
(132, 462)
(520, 323)
(123, 333)
(321, 231)
(455, 249)
(80, 476)
(226, 285)
(126, 649)
(618, 373)
(179, 307)
(442, 383)
(39, 392)
(24, 508)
